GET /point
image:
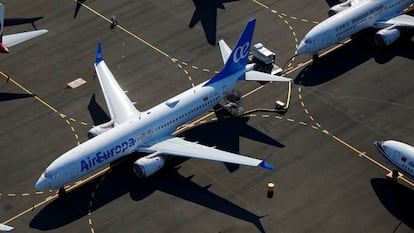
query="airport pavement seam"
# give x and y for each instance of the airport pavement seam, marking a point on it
(148, 44)
(282, 14)
(40, 100)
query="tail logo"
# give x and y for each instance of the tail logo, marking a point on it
(241, 52)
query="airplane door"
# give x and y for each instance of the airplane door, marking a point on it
(396, 156)
(74, 170)
(327, 40)
(225, 90)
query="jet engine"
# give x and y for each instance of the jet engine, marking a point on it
(148, 165)
(100, 129)
(386, 36)
(339, 7)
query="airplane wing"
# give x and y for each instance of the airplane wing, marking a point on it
(14, 39)
(5, 228)
(399, 21)
(180, 147)
(225, 50)
(260, 76)
(120, 107)
(402, 20)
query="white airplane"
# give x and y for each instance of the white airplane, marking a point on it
(14, 39)
(353, 16)
(152, 131)
(399, 155)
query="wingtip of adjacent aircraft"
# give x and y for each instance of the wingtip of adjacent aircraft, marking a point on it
(43, 31)
(99, 57)
(6, 228)
(265, 165)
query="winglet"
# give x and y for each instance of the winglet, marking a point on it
(99, 57)
(264, 164)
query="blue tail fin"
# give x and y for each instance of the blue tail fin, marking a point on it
(99, 57)
(238, 58)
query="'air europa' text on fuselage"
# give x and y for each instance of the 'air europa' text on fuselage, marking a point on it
(101, 156)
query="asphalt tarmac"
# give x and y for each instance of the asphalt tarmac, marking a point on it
(328, 176)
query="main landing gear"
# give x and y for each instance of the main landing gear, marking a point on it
(393, 175)
(62, 192)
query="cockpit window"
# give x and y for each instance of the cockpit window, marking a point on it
(308, 41)
(50, 175)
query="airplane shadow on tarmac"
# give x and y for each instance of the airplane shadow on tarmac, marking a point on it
(122, 180)
(225, 133)
(397, 199)
(206, 13)
(97, 113)
(332, 3)
(13, 96)
(18, 21)
(77, 7)
(361, 49)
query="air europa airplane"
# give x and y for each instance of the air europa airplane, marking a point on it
(399, 154)
(352, 16)
(152, 131)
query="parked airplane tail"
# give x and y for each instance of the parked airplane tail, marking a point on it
(238, 58)
(250, 75)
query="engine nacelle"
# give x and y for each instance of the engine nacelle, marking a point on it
(386, 36)
(338, 8)
(148, 165)
(100, 129)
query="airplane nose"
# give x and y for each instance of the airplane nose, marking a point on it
(379, 144)
(41, 184)
(301, 48)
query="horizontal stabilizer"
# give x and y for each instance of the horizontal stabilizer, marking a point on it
(5, 228)
(260, 76)
(14, 39)
(225, 50)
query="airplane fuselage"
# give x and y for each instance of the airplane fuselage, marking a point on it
(153, 124)
(348, 22)
(400, 155)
